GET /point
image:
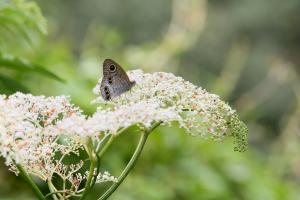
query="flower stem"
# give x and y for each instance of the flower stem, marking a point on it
(131, 163)
(108, 143)
(92, 158)
(100, 150)
(31, 182)
(64, 188)
(52, 190)
(56, 192)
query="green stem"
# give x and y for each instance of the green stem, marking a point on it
(131, 163)
(93, 158)
(100, 143)
(64, 188)
(107, 144)
(101, 150)
(97, 171)
(31, 182)
(52, 190)
(56, 192)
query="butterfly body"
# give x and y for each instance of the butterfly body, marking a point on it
(115, 80)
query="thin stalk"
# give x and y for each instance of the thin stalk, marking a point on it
(56, 192)
(64, 188)
(97, 171)
(93, 158)
(52, 189)
(31, 182)
(100, 150)
(131, 162)
(73, 195)
(103, 140)
(105, 147)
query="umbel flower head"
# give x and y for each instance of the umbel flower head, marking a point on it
(199, 112)
(31, 136)
(38, 132)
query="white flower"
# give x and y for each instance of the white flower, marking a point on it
(28, 132)
(105, 177)
(199, 112)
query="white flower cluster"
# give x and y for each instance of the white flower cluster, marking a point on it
(122, 116)
(38, 132)
(28, 133)
(199, 112)
(105, 177)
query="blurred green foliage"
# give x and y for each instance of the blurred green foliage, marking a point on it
(21, 27)
(245, 51)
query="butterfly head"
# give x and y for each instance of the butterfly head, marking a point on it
(110, 67)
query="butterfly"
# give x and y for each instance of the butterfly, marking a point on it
(115, 80)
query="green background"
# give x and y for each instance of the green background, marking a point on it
(246, 51)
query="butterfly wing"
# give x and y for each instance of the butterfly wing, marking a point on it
(115, 80)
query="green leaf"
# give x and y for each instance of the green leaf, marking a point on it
(11, 86)
(24, 66)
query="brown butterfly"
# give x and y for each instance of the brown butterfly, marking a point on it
(115, 80)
